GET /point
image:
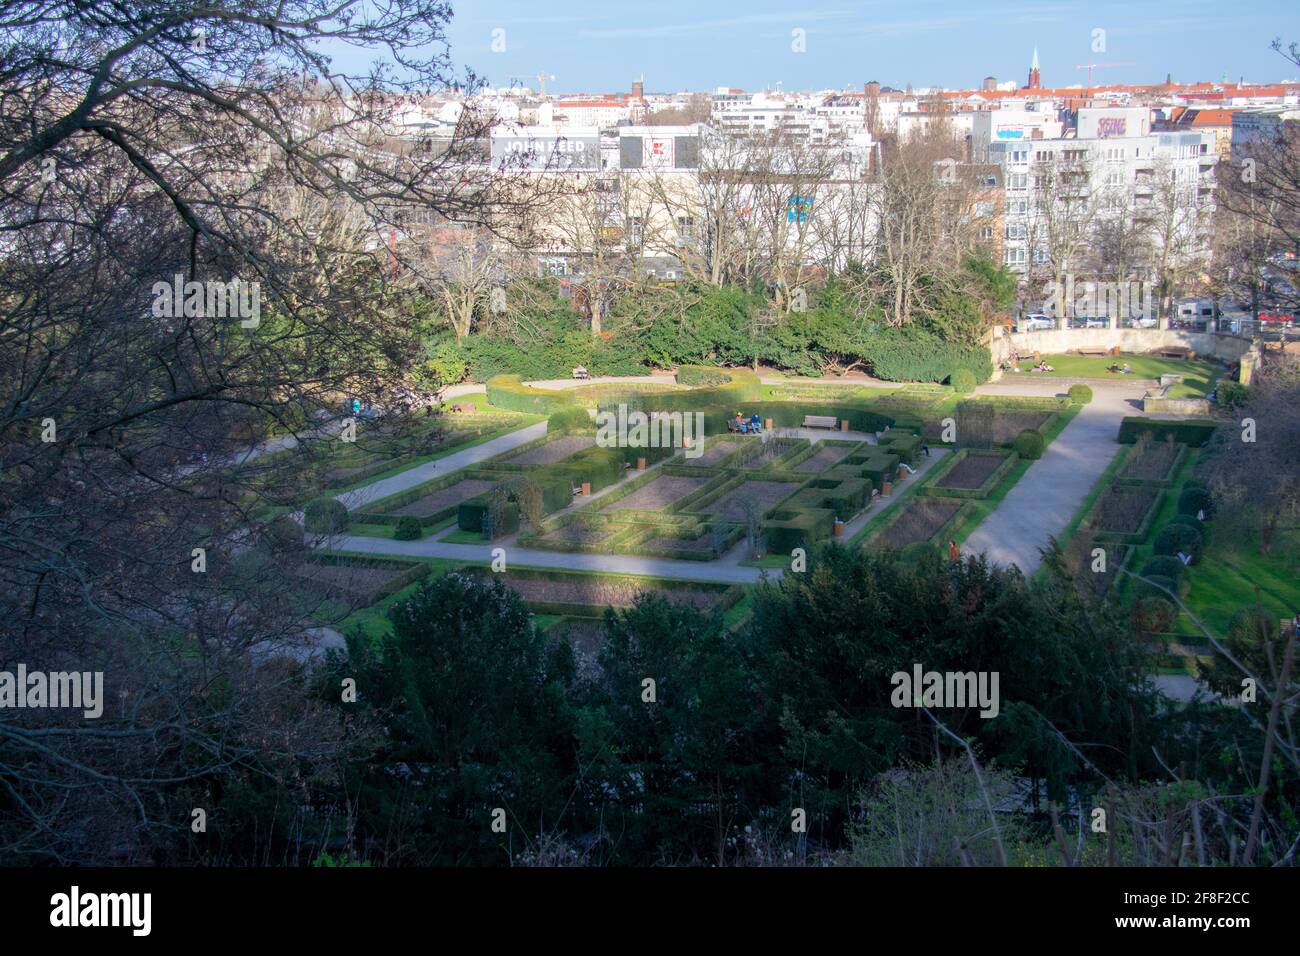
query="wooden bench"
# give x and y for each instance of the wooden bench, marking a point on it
(1099, 351)
(820, 421)
(1176, 352)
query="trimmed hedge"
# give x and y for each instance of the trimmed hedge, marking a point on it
(1193, 500)
(325, 516)
(508, 391)
(1194, 431)
(800, 529)
(1080, 394)
(1165, 566)
(472, 516)
(566, 421)
(601, 467)
(700, 376)
(1173, 538)
(1029, 445)
(962, 381)
(408, 528)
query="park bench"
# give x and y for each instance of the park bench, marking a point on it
(1025, 356)
(580, 373)
(820, 421)
(1176, 351)
(1096, 351)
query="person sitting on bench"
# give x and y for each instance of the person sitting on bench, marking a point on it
(755, 423)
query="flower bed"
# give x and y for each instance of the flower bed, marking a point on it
(552, 451)
(921, 519)
(970, 473)
(660, 492)
(1124, 513)
(827, 454)
(731, 505)
(1154, 462)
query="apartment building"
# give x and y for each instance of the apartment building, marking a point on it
(1090, 179)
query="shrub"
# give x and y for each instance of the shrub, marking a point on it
(1154, 612)
(697, 376)
(1080, 394)
(1030, 445)
(566, 421)
(408, 528)
(962, 381)
(1151, 588)
(1231, 394)
(1193, 500)
(282, 533)
(1164, 566)
(325, 516)
(1193, 431)
(599, 466)
(1190, 521)
(1173, 538)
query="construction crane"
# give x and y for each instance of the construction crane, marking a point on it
(1097, 66)
(541, 79)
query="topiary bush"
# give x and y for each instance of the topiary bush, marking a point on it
(567, 421)
(1191, 521)
(1080, 394)
(1030, 445)
(408, 528)
(1175, 538)
(1154, 612)
(962, 381)
(1195, 499)
(1164, 566)
(325, 516)
(283, 533)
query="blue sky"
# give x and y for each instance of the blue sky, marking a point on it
(702, 44)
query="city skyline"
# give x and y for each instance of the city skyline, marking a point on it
(702, 46)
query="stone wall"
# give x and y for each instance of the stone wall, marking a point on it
(1225, 348)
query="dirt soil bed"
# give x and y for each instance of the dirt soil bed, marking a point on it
(1122, 508)
(703, 543)
(765, 494)
(919, 521)
(1151, 462)
(824, 457)
(553, 451)
(595, 592)
(712, 454)
(445, 497)
(1007, 425)
(578, 532)
(971, 472)
(344, 577)
(659, 493)
(770, 453)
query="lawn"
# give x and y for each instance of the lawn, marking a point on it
(1198, 377)
(1232, 571)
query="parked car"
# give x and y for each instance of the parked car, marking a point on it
(1036, 322)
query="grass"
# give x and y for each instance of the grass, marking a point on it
(1232, 574)
(1198, 377)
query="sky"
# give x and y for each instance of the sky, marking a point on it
(603, 45)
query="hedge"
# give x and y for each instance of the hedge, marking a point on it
(598, 466)
(963, 381)
(472, 516)
(1173, 538)
(1166, 566)
(1080, 394)
(508, 391)
(742, 385)
(1194, 431)
(1194, 500)
(797, 529)
(408, 528)
(699, 376)
(566, 421)
(906, 446)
